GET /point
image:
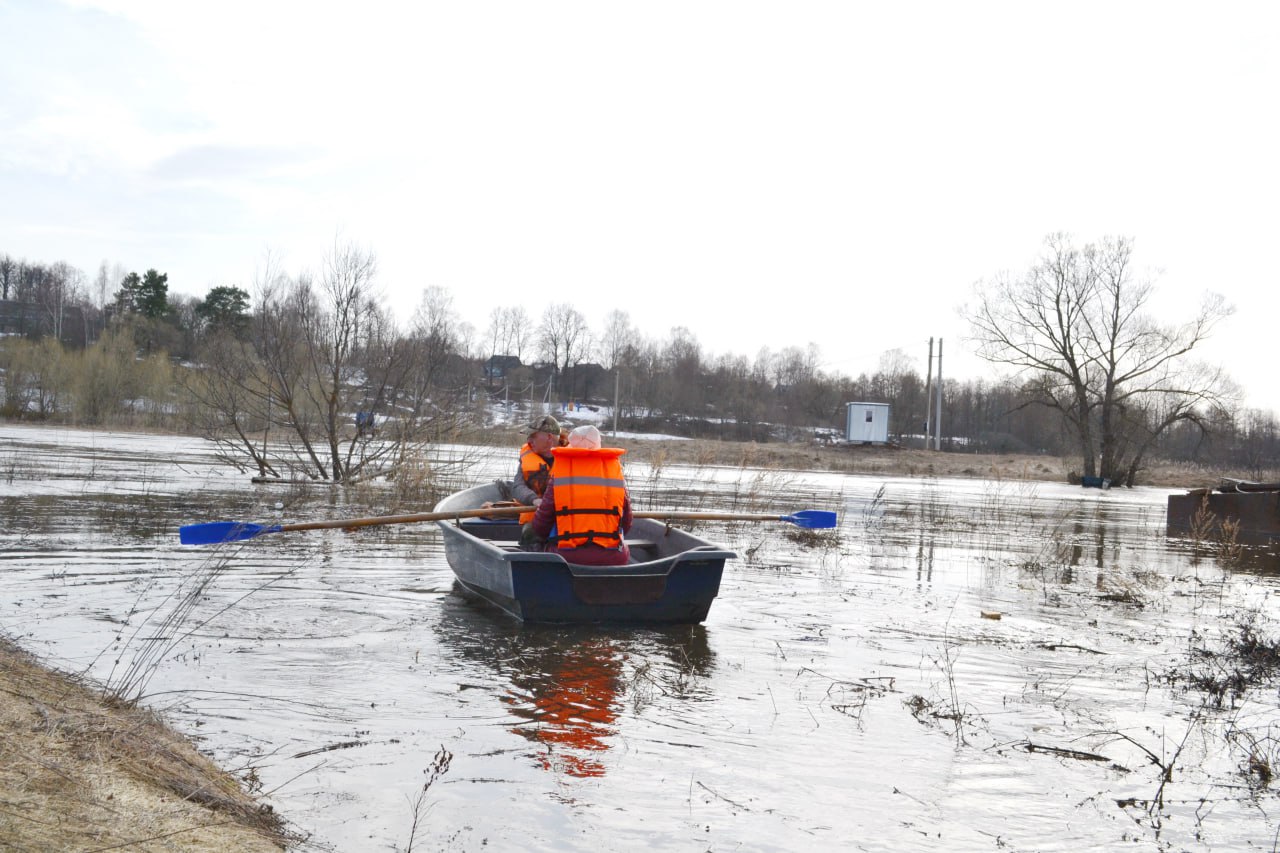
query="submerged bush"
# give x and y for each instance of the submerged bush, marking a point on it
(1248, 660)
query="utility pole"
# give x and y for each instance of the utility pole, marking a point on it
(617, 382)
(928, 398)
(937, 433)
(933, 413)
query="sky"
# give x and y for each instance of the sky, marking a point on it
(764, 174)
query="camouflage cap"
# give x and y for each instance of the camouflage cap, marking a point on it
(547, 424)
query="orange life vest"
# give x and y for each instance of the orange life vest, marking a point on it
(536, 473)
(589, 496)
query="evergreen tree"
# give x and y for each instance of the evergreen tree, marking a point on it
(147, 295)
(224, 309)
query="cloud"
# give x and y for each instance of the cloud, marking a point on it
(213, 162)
(766, 175)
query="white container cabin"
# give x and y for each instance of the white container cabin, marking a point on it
(866, 423)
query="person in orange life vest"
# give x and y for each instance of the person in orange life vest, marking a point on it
(586, 511)
(534, 468)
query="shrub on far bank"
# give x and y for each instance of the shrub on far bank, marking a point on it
(106, 384)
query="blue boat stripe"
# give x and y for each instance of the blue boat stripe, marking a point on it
(590, 481)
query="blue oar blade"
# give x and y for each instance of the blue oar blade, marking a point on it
(812, 518)
(221, 531)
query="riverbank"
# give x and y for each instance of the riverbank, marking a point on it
(887, 461)
(79, 771)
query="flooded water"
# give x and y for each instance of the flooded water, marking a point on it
(961, 665)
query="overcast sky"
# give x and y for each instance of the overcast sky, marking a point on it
(764, 174)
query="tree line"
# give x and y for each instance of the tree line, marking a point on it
(313, 376)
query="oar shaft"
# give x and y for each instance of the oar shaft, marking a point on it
(711, 516)
(411, 518)
(809, 518)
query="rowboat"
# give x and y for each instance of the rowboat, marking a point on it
(673, 575)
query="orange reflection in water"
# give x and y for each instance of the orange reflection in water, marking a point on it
(571, 708)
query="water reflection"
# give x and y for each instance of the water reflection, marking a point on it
(1253, 559)
(924, 558)
(570, 710)
(1076, 559)
(568, 686)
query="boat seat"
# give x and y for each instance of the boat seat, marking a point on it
(631, 543)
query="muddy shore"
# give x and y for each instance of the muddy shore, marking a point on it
(79, 771)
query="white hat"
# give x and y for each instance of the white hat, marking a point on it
(586, 437)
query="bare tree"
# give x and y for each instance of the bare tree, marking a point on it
(563, 336)
(493, 333)
(1141, 422)
(519, 332)
(64, 287)
(679, 387)
(743, 397)
(8, 276)
(1075, 324)
(28, 280)
(508, 331)
(1259, 442)
(101, 284)
(794, 366)
(333, 335)
(435, 328)
(617, 338)
(325, 386)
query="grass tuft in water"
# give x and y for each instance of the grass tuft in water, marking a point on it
(1247, 660)
(439, 766)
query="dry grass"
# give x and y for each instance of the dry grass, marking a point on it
(81, 773)
(897, 462)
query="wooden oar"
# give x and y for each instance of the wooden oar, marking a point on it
(811, 518)
(233, 531)
(215, 532)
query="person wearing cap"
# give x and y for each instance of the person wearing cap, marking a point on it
(534, 467)
(585, 511)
